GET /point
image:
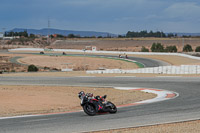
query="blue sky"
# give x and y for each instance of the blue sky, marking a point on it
(115, 16)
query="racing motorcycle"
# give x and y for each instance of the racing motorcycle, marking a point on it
(93, 105)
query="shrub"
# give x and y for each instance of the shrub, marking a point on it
(157, 47)
(197, 49)
(187, 48)
(143, 49)
(32, 68)
(171, 49)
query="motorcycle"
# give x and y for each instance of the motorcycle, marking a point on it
(93, 105)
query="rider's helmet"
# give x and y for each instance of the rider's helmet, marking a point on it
(97, 97)
(82, 93)
(90, 94)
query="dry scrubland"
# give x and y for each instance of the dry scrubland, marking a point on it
(23, 100)
(111, 44)
(6, 65)
(124, 44)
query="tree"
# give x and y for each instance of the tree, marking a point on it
(157, 47)
(32, 68)
(187, 48)
(170, 35)
(144, 33)
(100, 37)
(143, 49)
(71, 36)
(32, 35)
(197, 49)
(121, 36)
(171, 49)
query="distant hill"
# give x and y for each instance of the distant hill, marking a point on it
(47, 31)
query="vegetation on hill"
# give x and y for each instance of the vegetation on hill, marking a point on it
(145, 33)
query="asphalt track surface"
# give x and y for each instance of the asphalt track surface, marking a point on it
(184, 107)
(146, 62)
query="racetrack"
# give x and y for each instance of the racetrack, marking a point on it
(144, 61)
(184, 107)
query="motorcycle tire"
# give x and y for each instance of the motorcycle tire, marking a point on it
(113, 108)
(89, 109)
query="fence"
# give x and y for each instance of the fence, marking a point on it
(183, 69)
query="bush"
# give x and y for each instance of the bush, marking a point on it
(32, 68)
(171, 49)
(12, 70)
(187, 48)
(197, 49)
(157, 47)
(144, 49)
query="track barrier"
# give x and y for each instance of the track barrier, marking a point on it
(183, 69)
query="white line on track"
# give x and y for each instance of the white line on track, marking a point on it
(168, 76)
(125, 76)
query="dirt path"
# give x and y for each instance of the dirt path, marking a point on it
(24, 100)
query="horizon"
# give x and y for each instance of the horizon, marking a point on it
(113, 16)
(97, 31)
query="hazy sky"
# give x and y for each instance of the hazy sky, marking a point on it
(115, 16)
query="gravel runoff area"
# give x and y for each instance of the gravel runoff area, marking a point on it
(178, 127)
(26, 100)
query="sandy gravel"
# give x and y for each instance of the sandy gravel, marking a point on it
(180, 127)
(21, 100)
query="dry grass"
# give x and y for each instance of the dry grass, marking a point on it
(77, 63)
(22, 100)
(180, 127)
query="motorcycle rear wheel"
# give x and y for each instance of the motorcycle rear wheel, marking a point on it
(89, 109)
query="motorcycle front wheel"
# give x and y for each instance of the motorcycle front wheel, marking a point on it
(89, 109)
(112, 108)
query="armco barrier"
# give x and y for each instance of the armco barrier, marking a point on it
(183, 69)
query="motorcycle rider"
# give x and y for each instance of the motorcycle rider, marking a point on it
(81, 94)
(94, 104)
(91, 96)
